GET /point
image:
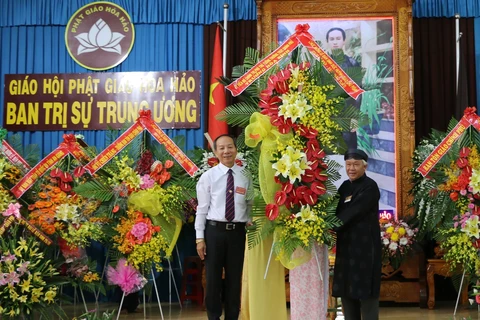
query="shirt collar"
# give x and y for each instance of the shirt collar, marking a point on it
(225, 169)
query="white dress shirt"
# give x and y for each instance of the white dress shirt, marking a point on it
(211, 190)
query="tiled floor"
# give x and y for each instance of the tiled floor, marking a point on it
(443, 311)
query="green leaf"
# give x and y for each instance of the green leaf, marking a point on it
(94, 189)
(238, 114)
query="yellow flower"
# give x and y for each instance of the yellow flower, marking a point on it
(37, 291)
(389, 230)
(12, 313)
(22, 245)
(25, 285)
(306, 214)
(23, 299)
(13, 294)
(401, 231)
(90, 277)
(394, 237)
(49, 296)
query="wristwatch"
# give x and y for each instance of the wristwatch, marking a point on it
(199, 241)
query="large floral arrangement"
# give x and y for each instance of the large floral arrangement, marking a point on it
(144, 207)
(9, 176)
(58, 210)
(26, 278)
(296, 119)
(447, 200)
(461, 243)
(452, 187)
(397, 241)
(140, 241)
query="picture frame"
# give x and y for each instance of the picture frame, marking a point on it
(377, 35)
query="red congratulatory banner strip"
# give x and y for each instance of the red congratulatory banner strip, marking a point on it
(143, 122)
(301, 36)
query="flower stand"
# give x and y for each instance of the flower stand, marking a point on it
(440, 267)
(144, 305)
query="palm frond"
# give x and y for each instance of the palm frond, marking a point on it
(94, 189)
(31, 152)
(252, 56)
(238, 114)
(136, 147)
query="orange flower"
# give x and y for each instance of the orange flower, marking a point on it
(48, 229)
(141, 231)
(168, 164)
(42, 195)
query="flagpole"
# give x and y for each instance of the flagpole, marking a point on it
(225, 21)
(458, 35)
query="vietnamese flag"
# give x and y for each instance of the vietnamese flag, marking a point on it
(217, 101)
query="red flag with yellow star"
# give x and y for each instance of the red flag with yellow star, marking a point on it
(217, 101)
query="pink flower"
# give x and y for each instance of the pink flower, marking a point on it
(147, 182)
(23, 268)
(8, 258)
(12, 278)
(13, 210)
(139, 230)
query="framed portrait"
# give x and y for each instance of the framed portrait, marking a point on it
(376, 37)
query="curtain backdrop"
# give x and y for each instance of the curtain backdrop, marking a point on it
(435, 72)
(446, 8)
(58, 12)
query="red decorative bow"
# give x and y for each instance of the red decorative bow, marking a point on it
(469, 111)
(301, 28)
(145, 113)
(69, 138)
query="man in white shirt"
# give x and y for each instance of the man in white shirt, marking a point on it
(221, 232)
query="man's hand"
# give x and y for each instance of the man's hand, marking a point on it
(201, 249)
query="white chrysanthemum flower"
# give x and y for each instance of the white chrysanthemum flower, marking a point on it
(386, 241)
(393, 246)
(403, 241)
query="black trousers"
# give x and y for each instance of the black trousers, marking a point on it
(355, 309)
(225, 249)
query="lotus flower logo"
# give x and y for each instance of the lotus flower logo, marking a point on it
(91, 28)
(100, 36)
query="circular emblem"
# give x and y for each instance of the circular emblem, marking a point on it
(99, 35)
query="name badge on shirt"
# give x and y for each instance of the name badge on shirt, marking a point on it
(348, 199)
(240, 190)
